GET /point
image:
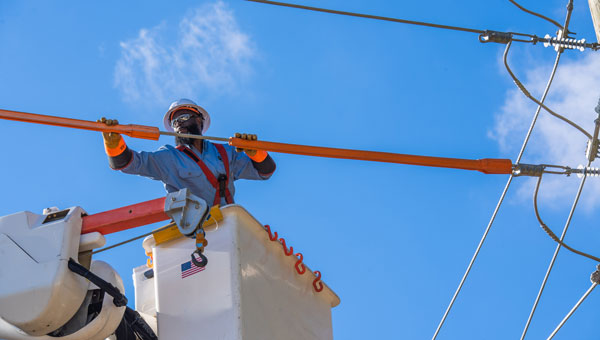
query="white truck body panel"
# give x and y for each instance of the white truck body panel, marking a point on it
(248, 290)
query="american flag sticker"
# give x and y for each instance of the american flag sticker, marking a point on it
(189, 269)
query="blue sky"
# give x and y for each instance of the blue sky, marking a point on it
(393, 241)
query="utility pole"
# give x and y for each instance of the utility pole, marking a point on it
(595, 10)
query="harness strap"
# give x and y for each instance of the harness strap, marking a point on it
(224, 180)
(221, 184)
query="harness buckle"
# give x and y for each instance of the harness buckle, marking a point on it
(222, 185)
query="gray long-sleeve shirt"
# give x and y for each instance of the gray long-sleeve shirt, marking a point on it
(177, 170)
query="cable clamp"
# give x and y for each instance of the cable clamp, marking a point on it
(537, 170)
(494, 36)
(595, 277)
(528, 170)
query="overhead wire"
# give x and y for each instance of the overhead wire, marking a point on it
(585, 295)
(502, 196)
(369, 16)
(567, 223)
(402, 21)
(553, 260)
(536, 14)
(549, 231)
(528, 95)
(534, 39)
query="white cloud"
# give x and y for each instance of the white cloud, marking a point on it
(206, 52)
(574, 94)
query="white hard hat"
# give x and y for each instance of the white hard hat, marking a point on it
(186, 104)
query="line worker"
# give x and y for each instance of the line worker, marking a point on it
(207, 169)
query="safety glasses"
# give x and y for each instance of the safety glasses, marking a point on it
(181, 119)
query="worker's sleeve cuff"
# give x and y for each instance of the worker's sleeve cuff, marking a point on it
(117, 150)
(121, 161)
(259, 156)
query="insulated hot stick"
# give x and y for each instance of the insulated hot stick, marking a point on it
(486, 165)
(136, 131)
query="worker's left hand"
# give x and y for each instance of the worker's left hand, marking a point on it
(246, 136)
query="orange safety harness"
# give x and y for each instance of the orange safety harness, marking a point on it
(221, 183)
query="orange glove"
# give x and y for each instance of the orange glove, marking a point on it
(114, 144)
(255, 155)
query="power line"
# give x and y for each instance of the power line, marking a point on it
(549, 231)
(551, 265)
(560, 43)
(493, 218)
(528, 95)
(536, 14)
(585, 295)
(534, 39)
(368, 16)
(484, 35)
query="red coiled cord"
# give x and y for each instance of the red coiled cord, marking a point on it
(299, 265)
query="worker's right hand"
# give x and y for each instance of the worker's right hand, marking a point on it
(246, 136)
(111, 139)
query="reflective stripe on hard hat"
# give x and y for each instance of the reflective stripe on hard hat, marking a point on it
(185, 104)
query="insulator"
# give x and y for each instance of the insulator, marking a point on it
(591, 151)
(588, 171)
(564, 43)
